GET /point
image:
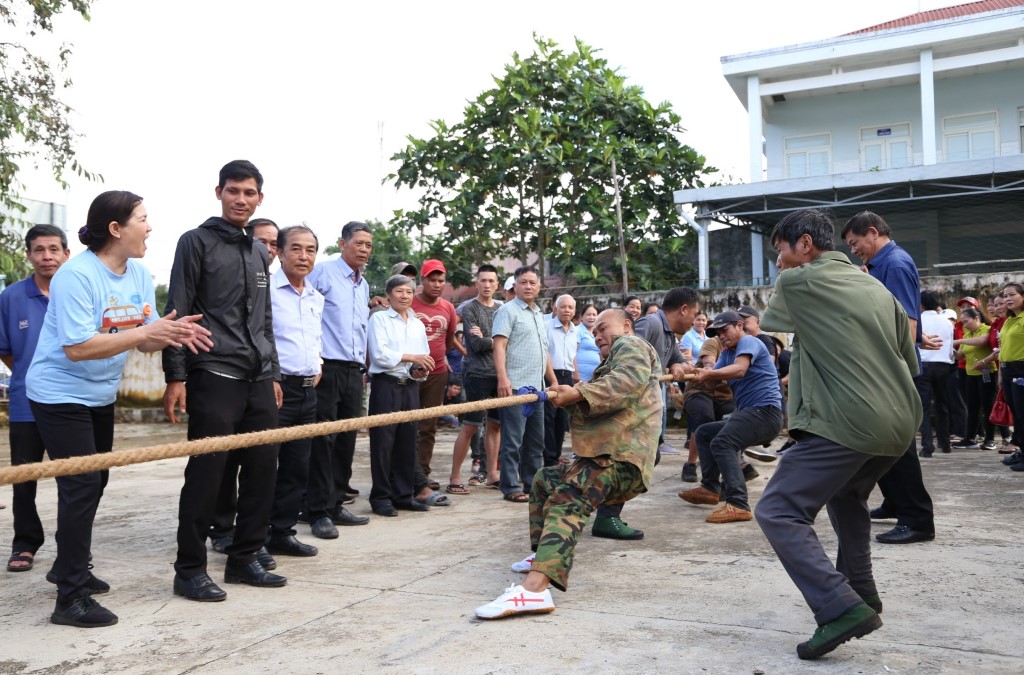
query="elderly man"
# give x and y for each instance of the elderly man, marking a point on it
(563, 341)
(837, 458)
(616, 420)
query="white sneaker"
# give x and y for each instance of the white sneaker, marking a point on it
(667, 449)
(760, 453)
(524, 565)
(517, 600)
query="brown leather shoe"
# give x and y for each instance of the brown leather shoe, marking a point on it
(729, 514)
(700, 495)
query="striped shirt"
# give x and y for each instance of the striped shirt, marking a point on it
(527, 350)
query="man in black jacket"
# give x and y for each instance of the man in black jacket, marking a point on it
(231, 389)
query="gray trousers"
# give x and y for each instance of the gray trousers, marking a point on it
(813, 473)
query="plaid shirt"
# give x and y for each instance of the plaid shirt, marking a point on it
(527, 351)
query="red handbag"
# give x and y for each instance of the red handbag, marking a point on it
(1001, 414)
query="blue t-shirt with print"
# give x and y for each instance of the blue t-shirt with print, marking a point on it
(86, 299)
(759, 388)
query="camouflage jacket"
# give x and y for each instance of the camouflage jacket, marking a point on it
(619, 418)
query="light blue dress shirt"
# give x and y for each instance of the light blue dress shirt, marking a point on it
(562, 344)
(298, 325)
(390, 337)
(346, 310)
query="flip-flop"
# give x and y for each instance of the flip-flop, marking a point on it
(456, 489)
(479, 480)
(438, 499)
(20, 557)
(518, 497)
(494, 486)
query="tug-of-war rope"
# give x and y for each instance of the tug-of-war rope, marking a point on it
(106, 460)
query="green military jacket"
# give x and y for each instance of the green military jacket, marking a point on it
(851, 374)
(619, 418)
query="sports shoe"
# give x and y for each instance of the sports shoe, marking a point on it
(612, 527)
(700, 495)
(667, 449)
(689, 473)
(966, 445)
(988, 445)
(524, 565)
(749, 473)
(855, 623)
(517, 600)
(1013, 458)
(729, 514)
(82, 612)
(760, 454)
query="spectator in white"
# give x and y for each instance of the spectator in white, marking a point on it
(939, 367)
(510, 289)
(563, 343)
(399, 357)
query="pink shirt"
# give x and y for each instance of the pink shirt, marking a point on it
(440, 321)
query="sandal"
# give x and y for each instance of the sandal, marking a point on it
(478, 480)
(434, 485)
(518, 497)
(456, 489)
(21, 557)
(438, 499)
(494, 486)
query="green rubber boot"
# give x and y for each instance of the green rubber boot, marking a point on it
(855, 623)
(614, 528)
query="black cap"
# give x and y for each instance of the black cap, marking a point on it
(747, 310)
(721, 321)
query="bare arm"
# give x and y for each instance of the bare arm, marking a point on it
(8, 360)
(165, 332)
(500, 344)
(733, 372)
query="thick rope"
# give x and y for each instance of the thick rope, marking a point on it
(106, 460)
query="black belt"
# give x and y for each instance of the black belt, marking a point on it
(397, 380)
(299, 380)
(346, 364)
(567, 373)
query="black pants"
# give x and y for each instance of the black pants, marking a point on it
(933, 387)
(220, 406)
(75, 430)
(556, 423)
(980, 397)
(957, 408)
(293, 458)
(27, 447)
(701, 409)
(339, 396)
(1014, 396)
(393, 461)
(905, 495)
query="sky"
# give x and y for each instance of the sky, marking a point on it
(319, 94)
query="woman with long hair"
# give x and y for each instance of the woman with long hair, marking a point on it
(1011, 355)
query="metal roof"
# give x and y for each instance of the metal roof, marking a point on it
(942, 14)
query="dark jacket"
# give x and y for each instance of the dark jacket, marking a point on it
(221, 273)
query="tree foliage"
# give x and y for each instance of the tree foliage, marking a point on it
(527, 171)
(390, 245)
(35, 125)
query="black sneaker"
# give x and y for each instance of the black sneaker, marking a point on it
(83, 612)
(749, 473)
(94, 586)
(966, 445)
(1014, 458)
(689, 473)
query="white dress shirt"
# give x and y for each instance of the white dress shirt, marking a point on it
(933, 323)
(390, 336)
(562, 344)
(298, 326)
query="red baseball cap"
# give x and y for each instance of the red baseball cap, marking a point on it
(430, 266)
(970, 301)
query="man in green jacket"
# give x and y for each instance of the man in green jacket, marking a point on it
(853, 410)
(615, 423)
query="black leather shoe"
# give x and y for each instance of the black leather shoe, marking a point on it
(901, 534)
(412, 506)
(265, 559)
(925, 453)
(342, 516)
(252, 574)
(199, 588)
(83, 612)
(880, 514)
(347, 499)
(94, 586)
(289, 545)
(323, 528)
(386, 510)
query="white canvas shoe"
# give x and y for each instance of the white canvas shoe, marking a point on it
(760, 454)
(517, 600)
(524, 565)
(667, 449)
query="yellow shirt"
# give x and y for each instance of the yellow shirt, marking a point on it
(974, 354)
(1011, 340)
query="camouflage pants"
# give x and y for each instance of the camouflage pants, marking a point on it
(561, 501)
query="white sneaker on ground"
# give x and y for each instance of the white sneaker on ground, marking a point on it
(517, 600)
(667, 449)
(761, 454)
(524, 565)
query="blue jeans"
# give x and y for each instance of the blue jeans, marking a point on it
(719, 445)
(522, 447)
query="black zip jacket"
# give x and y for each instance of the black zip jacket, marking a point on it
(221, 273)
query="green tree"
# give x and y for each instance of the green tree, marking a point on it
(390, 245)
(528, 170)
(34, 121)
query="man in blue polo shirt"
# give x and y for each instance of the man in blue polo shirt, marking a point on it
(906, 498)
(747, 367)
(22, 308)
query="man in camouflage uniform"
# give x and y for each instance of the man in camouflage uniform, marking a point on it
(615, 424)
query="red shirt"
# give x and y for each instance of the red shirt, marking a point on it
(958, 334)
(993, 333)
(440, 321)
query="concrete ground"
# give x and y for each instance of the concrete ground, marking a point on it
(397, 595)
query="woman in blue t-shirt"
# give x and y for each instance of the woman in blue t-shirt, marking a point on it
(588, 356)
(101, 306)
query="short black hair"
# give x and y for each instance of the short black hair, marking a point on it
(352, 227)
(864, 220)
(282, 235)
(487, 267)
(257, 222)
(930, 301)
(677, 297)
(630, 299)
(525, 269)
(37, 231)
(648, 305)
(240, 169)
(817, 223)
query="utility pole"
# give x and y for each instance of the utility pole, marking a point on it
(622, 239)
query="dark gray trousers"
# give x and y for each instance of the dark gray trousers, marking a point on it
(813, 473)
